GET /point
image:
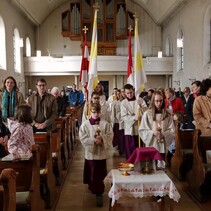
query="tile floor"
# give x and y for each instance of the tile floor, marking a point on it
(76, 197)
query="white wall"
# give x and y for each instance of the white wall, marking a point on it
(191, 20)
(149, 31)
(11, 20)
(50, 37)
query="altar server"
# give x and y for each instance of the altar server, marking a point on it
(130, 115)
(157, 126)
(104, 114)
(96, 136)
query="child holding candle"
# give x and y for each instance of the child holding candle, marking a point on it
(157, 126)
(96, 136)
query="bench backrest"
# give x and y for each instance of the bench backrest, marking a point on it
(44, 141)
(27, 170)
(185, 138)
(61, 124)
(204, 144)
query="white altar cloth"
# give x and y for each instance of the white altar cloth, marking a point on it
(139, 185)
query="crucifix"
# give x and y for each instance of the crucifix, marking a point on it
(85, 29)
(130, 28)
(136, 16)
(96, 5)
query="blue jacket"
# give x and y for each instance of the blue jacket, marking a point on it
(74, 97)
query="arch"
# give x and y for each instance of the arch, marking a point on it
(28, 47)
(16, 51)
(3, 59)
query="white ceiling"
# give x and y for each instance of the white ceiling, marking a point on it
(38, 10)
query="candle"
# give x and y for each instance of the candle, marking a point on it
(159, 132)
(97, 133)
(159, 127)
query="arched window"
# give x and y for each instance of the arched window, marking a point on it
(180, 50)
(28, 47)
(168, 47)
(207, 37)
(3, 60)
(17, 52)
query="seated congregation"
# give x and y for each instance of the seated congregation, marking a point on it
(35, 150)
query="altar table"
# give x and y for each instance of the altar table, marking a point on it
(138, 185)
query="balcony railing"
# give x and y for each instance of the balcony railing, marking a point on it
(107, 65)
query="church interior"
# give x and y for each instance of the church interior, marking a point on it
(45, 39)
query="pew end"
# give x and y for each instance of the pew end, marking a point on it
(8, 183)
(182, 160)
(199, 178)
(27, 181)
(47, 178)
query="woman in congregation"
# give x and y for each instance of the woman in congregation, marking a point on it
(172, 102)
(96, 136)
(64, 97)
(196, 87)
(10, 97)
(157, 126)
(202, 109)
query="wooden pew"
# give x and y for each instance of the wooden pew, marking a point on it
(56, 155)
(199, 178)
(68, 135)
(182, 160)
(47, 178)
(79, 113)
(8, 181)
(70, 138)
(27, 181)
(74, 115)
(71, 112)
(61, 125)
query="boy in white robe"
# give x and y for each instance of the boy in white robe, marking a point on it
(96, 136)
(113, 97)
(117, 128)
(130, 115)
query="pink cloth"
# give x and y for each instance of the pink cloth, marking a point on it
(144, 153)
